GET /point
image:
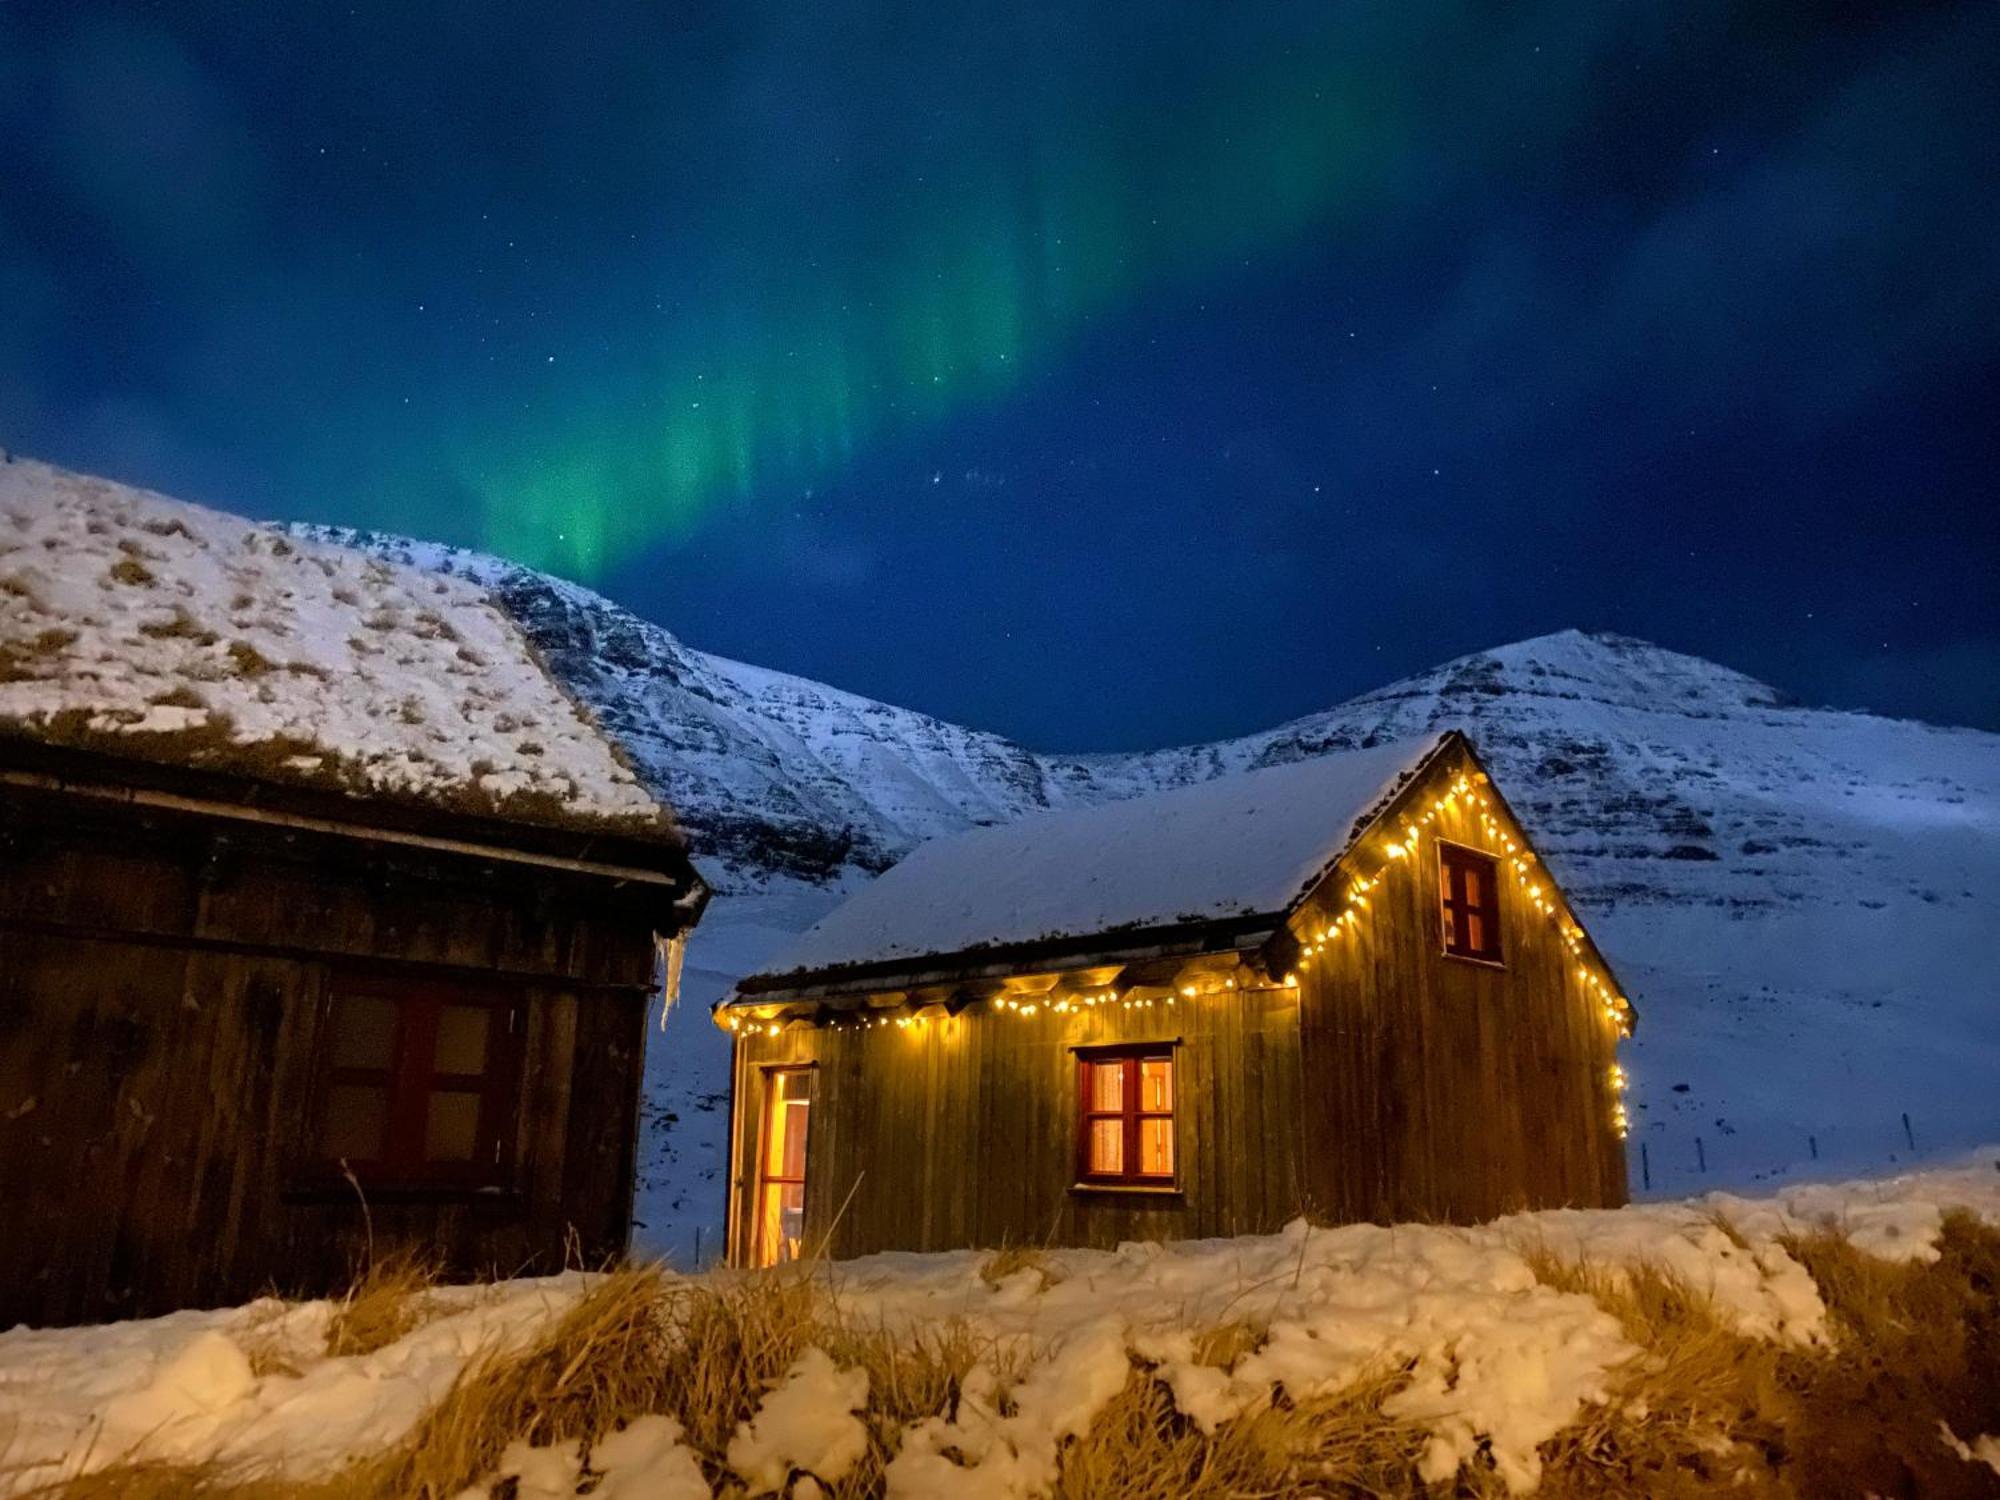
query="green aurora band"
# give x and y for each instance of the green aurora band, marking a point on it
(950, 302)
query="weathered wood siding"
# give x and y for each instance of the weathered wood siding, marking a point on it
(964, 1132)
(1441, 1087)
(1394, 1083)
(163, 979)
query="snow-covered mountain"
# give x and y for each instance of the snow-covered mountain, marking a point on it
(1801, 901)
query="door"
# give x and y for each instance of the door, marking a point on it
(781, 1166)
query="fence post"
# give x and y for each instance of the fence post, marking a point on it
(1700, 1156)
(1908, 1134)
(1645, 1168)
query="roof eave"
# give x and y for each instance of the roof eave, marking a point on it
(1237, 934)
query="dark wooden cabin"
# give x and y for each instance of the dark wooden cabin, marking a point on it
(258, 1013)
(1346, 988)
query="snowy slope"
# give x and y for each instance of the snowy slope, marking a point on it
(1799, 900)
(773, 775)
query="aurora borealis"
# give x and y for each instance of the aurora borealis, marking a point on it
(1029, 364)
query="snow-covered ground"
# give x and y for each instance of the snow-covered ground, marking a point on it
(1498, 1359)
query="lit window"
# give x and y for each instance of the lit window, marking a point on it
(1469, 896)
(419, 1085)
(781, 1172)
(1127, 1114)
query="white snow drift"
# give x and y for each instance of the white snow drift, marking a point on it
(1497, 1359)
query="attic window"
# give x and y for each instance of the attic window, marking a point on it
(1125, 1117)
(1469, 896)
(419, 1085)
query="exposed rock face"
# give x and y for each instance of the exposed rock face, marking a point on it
(1800, 900)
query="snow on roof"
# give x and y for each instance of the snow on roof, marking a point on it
(140, 625)
(1241, 845)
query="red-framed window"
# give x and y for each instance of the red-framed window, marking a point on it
(1125, 1116)
(419, 1084)
(1469, 899)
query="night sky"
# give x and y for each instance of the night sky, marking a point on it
(1107, 376)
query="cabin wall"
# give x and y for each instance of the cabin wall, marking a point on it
(964, 1132)
(1441, 1087)
(163, 980)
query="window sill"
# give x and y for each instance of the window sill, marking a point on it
(1130, 1189)
(1474, 960)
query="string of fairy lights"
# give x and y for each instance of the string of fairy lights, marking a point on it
(1505, 849)
(1400, 847)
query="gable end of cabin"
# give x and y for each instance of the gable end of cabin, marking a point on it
(1458, 1028)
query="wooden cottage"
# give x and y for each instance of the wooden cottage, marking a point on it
(326, 918)
(1345, 988)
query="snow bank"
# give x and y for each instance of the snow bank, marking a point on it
(645, 1460)
(184, 1388)
(807, 1423)
(1495, 1360)
(143, 625)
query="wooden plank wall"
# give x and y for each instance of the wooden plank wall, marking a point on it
(1396, 1083)
(963, 1133)
(162, 986)
(1444, 1088)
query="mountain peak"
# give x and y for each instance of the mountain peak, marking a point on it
(1595, 666)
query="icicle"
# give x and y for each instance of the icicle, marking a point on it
(673, 952)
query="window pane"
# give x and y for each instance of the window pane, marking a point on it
(793, 1084)
(1156, 1148)
(451, 1127)
(792, 1161)
(1156, 1084)
(1473, 885)
(1475, 933)
(461, 1039)
(1107, 1146)
(785, 1142)
(1107, 1085)
(364, 1031)
(356, 1117)
(781, 1234)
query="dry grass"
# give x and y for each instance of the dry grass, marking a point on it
(1915, 1345)
(1141, 1448)
(391, 1298)
(1011, 1260)
(1704, 1412)
(601, 1363)
(130, 570)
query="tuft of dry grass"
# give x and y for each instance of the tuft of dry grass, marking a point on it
(1142, 1448)
(1011, 1260)
(178, 626)
(130, 570)
(599, 1365)
(389, 1299)
(1702, 1410)
(1915, 1345)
